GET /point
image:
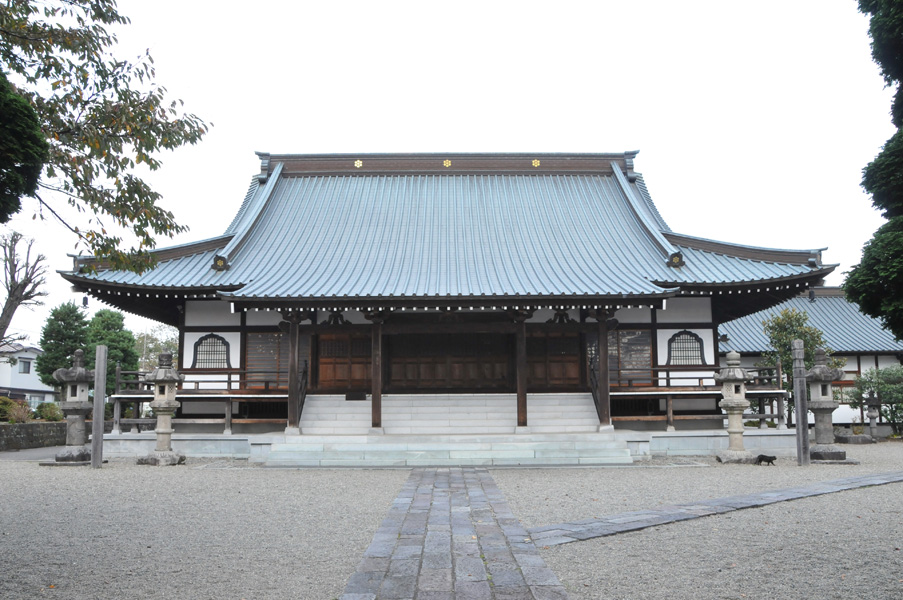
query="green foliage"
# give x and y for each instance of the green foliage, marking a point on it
(876, 283)
(792, 324)
(150, 344)
(48, 411)
(887, 383)
(64, 332)
(104, 117)
(15, 411)
(108, 328)
(23, 150)
(885, 27)
(5, 405)
(883, 178)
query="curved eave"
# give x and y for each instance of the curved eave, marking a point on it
(161, 255)
(732, 300)
(166, 304)
(749, 252)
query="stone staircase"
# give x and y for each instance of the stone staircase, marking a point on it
(434, 430)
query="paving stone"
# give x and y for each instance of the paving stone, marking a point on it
(399, 568)
(435, 580)
(473, 590)
(540, 576)
(397, 588)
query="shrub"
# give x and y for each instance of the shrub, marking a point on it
(19, 413)
(49, 411)
(5, 405)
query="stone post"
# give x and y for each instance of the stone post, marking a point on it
(76, 407)
(874, 406)
(822, 404)
(733, 390)
(164, 380)
(800, 400)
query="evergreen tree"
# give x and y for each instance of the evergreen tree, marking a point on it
(876, 283)
(107, 328)
(64, 332)
(23, 150)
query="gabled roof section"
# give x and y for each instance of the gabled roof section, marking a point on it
(845, 328)
(458, 230)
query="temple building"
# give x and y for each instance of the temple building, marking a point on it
(497, 283)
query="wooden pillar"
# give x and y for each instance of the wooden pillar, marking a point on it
(291, 320)
(376, 373)
(670, 413)
(520, 342)
(604, 390)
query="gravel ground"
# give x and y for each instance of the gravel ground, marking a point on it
(125, 531)
(844, 545)
(213, 529)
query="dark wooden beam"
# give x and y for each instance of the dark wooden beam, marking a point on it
(291, 324)
(376, 369)
(520, 350)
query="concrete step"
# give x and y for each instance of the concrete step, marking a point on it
(481, 414)
(401, 450)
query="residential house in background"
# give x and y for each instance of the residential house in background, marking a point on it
(18, 378)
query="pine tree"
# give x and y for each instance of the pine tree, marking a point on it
(107, 328)
(64, 332)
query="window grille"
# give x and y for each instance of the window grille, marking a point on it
(685, 348)
(211, 352)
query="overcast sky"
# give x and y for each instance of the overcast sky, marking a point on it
(753, 119)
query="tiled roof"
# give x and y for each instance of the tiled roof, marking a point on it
(584, 232)
(844, 327)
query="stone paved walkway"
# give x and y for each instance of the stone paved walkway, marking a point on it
(564, 533)
(451, 535)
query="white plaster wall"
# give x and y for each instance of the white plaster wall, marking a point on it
(634, 315)
(885, 361)
(262, 317)
(685, 310)
(191, 338)
(199, 313)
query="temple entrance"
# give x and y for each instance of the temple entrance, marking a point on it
(450, 361)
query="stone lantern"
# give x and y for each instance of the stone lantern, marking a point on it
(822, 404)
(874, 408)
(164, 380)
(76, 407)
(733, 389)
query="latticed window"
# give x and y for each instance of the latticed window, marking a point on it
(685, 348)
(211, 352)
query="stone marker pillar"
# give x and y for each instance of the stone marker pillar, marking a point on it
(822, 404)
(801, 402)
(164, 379)
(733, 389)
(76, 407)
(874, 407)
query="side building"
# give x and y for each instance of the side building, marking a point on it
(497, 284)
(857, 338)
